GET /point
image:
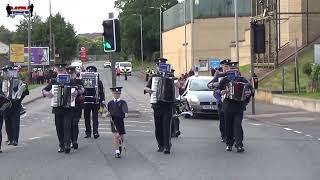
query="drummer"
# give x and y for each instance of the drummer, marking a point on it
(233, 113)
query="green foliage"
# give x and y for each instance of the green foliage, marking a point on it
(5, 35)
(65, 35)
(307, 69)
(130, 25)
(315, 73)
(23, 76)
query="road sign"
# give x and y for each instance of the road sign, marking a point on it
(83, 54)
(214, 63)
(17, 53)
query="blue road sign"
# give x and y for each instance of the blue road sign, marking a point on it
(214, 63)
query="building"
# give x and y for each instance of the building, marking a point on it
(4, 49)
(208, 37)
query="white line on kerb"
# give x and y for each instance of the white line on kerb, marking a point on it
(33, 138)
(297, 132)
(288, 129)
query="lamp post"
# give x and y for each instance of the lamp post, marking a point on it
(141, 40)
(236, 28)
(160, 9)
(29, 43)
(51, 52)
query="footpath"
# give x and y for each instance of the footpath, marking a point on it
(34, 95)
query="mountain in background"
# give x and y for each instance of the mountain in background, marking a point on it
(91, 35)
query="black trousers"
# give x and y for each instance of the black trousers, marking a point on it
(63, 121)
(234, 131)
(88, 108)
(175, 126)
(1, 123)
(75, 126)
(162, 120)
(222, 123)
(12, 121)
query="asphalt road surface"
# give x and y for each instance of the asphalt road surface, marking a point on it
(275, 150)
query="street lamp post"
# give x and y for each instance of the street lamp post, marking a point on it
(29, 43)
(236, 28)
(141, 40)
(50, 33)
(160, 24)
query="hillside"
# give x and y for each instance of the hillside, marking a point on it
(91, 35)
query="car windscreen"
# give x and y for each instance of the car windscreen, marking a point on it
(125, 64)
(199, 85)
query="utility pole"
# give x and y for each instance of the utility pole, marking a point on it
(253, 58)
(185, 35)
(29, 43)
(236, 29)
(50, 33)
(54, 48)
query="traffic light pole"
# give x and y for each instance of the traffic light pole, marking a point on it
(253, 59)
(113, 70)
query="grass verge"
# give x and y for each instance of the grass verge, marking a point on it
(34, 86)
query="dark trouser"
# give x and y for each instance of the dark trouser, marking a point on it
(12, 121)
(63, 123)
(234, 131)
(1, 123)
(88, 108)
(162, 120)
(147, 77)
(222, 124)
(175, 123)
(75, 126)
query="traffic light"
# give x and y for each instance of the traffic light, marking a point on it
(111, 35)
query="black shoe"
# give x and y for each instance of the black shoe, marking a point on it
(166, 151)
(60, 150)
(88, 136)
(117, 155)
(67, 150)
(75, 145)
(178, 134)
(14, 143)
(96, 136)
(229, 148)
(10, 143)
(160, 149)
(240, 149)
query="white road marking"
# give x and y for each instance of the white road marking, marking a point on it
(33, 138)
(105, 132)
(139, 131)
(137, 122)
(308, 135)
(298, 132)
(255, 124)
(318, 139)
(288, 129)
(151, 120)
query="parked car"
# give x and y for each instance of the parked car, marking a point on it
(125, 65)
(107, 64)
(78, 64)
(199, 96)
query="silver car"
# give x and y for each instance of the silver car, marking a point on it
(199, 96)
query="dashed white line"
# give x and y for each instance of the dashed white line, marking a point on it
(139, 131)
(33, 138)
(308, 135)
(298, 132)
(137, 122)
(318, 139)
(288, 129)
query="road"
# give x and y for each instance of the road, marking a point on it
(275, 150)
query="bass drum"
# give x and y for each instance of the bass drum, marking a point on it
(166, 90)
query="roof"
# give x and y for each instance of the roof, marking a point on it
(200, 77)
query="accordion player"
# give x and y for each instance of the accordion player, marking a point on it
(62, 92)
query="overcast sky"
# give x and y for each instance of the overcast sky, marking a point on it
(86, 16)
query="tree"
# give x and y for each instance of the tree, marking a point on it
(130, 25)
(5, 35)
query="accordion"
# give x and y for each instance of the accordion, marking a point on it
(13, 88)
(91, 85)
(237, 90)
(62, 96)
(164, 90)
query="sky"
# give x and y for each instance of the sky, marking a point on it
(86, 16)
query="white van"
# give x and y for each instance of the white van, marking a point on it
(125, 65)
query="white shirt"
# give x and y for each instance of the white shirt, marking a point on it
(116, 100)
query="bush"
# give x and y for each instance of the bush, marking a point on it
(155, 55)
(307, 69)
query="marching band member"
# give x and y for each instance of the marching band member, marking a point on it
(77, 110)
(162, 116)
(91, 104)
(233, 112)
(12, 115)
(118, 110)
(62, 115)
(217, 95)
